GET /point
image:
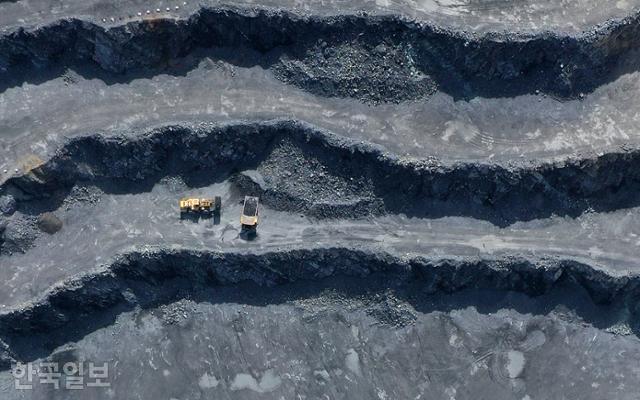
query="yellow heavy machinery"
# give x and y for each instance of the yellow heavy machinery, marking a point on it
(249, 216)
(200, 206)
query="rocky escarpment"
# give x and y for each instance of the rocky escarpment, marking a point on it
(373, 58)
(310, 170)
(151, 276)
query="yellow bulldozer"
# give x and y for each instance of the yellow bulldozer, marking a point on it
(200, 206)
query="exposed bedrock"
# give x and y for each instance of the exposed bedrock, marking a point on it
(152, 276)
(303, 169)
(373, 58)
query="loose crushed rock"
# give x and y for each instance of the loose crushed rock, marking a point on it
(385, 72)
(8, 205)
(17, 233)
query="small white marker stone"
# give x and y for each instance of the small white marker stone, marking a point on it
(139, 14)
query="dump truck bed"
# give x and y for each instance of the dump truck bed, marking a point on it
(250, 206)
(249, 216)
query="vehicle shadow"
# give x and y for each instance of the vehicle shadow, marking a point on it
(248, 234)
(197, 217)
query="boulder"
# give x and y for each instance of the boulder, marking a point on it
(49, 223)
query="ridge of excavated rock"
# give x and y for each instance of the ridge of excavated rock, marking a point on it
(373, 58)
(139, 278)
(374, 180)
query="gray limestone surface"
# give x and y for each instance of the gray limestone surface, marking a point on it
(449, 198)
